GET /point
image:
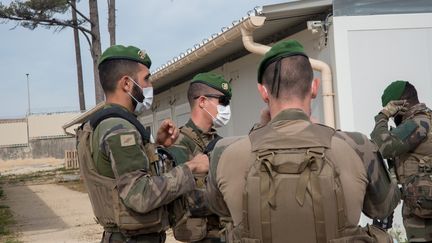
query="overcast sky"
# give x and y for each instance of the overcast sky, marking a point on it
(164, 28)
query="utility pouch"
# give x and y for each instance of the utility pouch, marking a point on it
(417, 192)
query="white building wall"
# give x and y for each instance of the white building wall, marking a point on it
(13, 132)
(49, 125)
(371, 52)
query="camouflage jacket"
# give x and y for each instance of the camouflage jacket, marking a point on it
(186, 147)
(410, 138)
(365, 180)
(191, 142)
(118, 152)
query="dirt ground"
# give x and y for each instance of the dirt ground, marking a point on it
(47, 212)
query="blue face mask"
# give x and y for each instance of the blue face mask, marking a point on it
(146, 102)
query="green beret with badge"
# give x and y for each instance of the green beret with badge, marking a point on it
(120, 52)
(215, 81)
(280, 50)
(393, 92)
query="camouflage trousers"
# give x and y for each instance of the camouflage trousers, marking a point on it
(417, 229)
(116, 237)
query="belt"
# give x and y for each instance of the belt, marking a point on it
(113, 237)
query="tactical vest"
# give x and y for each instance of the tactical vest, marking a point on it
(415, 172)
(293, 192)
(420, 159)
(193, 220)
(108, 208)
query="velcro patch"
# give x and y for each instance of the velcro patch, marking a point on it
(127, 140)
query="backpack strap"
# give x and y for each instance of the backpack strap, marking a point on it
(115, 111)
(212, 144)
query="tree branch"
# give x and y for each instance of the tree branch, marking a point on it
(87, 38)
(48, 22)
(79, 13)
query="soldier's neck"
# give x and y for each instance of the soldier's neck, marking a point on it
(201, 121)
(123, 101)
(277, 106)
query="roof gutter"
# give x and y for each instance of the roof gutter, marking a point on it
(320, 66)
(250, 24)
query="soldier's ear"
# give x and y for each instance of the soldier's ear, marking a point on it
(262, 90)
(125, 84)
(315, 87)
(201, 101)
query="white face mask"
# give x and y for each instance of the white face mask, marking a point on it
(146, 103)
(223, 116)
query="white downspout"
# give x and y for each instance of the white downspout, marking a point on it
(320, 66)
(327, 90)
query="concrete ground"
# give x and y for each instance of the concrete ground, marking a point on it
(53, 213)
(50, 213)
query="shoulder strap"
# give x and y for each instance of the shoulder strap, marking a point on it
(114, 111)
(211, 144)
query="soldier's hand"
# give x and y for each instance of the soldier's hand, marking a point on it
(199, 164)
(167, 133)
(395, 107)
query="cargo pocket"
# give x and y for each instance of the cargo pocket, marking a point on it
(193, 229)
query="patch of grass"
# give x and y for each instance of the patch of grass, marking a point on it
(39, 176)
(6, 220)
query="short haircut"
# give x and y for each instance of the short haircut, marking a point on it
(111, 71)
(198, 89)
(410, 94)
(296, 77)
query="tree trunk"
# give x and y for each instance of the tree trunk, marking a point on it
(78, 60)
(96, 48)
(112, 21)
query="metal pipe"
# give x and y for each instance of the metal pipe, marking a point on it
(327, 90)
(28, 94)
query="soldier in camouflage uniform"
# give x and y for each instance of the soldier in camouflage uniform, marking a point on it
(209, 95)
(286, 85)
(409, 145)
(118, 161)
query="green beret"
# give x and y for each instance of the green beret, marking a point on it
(215, 81)
(282, 49)
(393, 92)
(119, 52)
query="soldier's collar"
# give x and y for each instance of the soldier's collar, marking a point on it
(194, 127)
(291, 115)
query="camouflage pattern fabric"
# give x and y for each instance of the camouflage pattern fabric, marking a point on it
(364, 178)
(118, 152)
(382, 193)
(410, 146)
(185, 148)
(190, 143)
